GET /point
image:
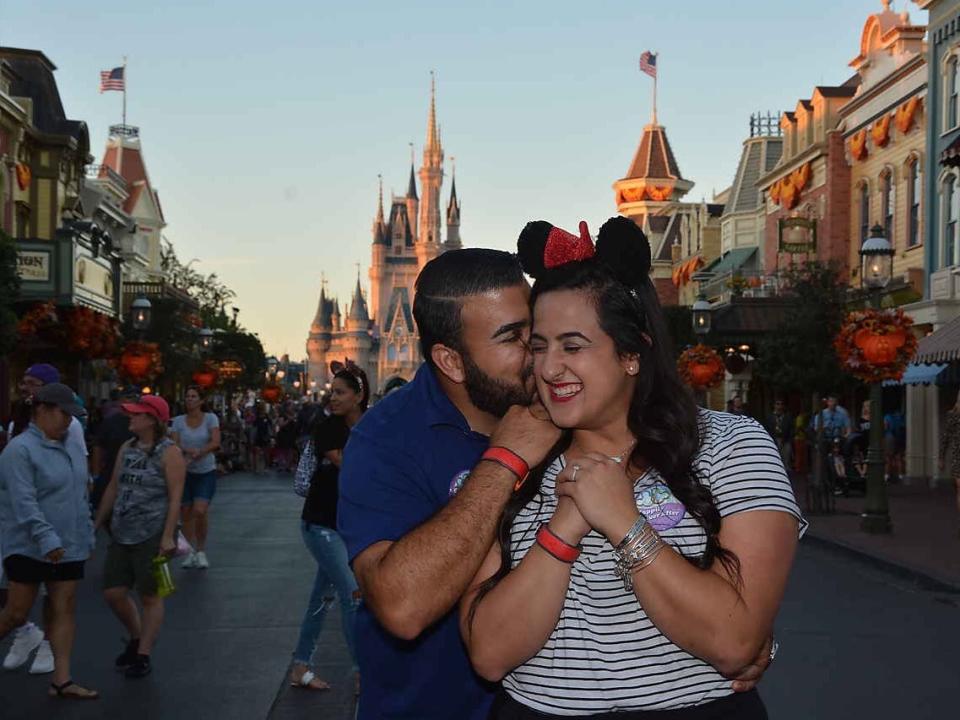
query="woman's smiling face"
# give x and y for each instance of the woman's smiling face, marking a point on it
(582, 380)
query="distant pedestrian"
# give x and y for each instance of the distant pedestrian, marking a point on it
(112, 432)
(781, 424)
(45, 526)
(142, 503)
(262, 439)
(950, 441)
(349, 395)
(894, 442)
(198, 435)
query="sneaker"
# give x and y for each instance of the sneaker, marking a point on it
(202, 562)
(140, 668)
(43, 662)
(190, 562)
(129, 655)
(26, 639)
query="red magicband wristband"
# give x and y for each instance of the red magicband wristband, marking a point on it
(560, 549)
(511, 461)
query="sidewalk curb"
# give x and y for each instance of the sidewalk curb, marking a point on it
(923, 580)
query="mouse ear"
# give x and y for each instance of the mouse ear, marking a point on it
(531, 245)
(336, 366)
(624, 249)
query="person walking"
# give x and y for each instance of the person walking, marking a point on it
(781, 424)
(45, 528)
(142, 504)
(349, 395)
(29, 637)
(950, 443)
(197, 433)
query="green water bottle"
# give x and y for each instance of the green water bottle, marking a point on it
(161, 573)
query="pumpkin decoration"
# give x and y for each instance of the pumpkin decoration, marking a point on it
(271, 393)
(801, 177)
(906, 114)
(876, 345)
(858, 144)
(631, 194)
(701, 367)
(789, 193)
(140, 361)
(205, 377)
(881, 131)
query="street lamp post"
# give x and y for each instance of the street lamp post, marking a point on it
(702, 321)
(876, 269)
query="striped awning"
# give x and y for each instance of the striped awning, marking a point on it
(941, 346)
(919, 375)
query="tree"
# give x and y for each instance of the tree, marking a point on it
(9, 291)
(209, 291)
(799, 356)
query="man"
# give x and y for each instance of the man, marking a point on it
(29, 637)
(418, 508)
(835, 419)
(112, 432)
(780, 425)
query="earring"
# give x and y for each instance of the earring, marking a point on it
(633, 370)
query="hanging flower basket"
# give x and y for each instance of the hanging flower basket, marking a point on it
(205, 377)
(271, 393)
(701, 367)
(876, 345)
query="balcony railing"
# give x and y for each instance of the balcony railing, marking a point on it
(105, 172)
(161, 289)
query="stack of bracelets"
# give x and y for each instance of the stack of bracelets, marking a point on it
(637, 550)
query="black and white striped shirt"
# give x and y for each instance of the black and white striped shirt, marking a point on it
(605, 654)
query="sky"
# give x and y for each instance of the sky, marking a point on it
(264, 125)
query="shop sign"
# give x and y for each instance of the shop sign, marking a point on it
(797, 235)
(33, 266)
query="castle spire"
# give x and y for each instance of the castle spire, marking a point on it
(453, 211)
(433, 136)
(380, 203)
(412, 186)
(379, 226)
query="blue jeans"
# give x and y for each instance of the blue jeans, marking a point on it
(333, 573)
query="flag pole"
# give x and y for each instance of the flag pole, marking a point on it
(655, 73)
(124, 90)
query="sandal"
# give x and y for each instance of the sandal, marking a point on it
(78, 693)
(309, 681)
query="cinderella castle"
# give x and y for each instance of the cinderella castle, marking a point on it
(380, 336)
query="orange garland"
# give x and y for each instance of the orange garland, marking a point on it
(659, 193)
(881, 131)
(876, 345)
(858, 144)
(906, 113)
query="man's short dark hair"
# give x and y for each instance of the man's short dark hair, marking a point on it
(443, 284)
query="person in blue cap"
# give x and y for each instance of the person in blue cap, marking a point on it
(29, 637)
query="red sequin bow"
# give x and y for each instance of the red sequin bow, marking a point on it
(563, 247)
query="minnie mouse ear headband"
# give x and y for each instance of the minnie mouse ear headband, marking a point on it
(621, 247)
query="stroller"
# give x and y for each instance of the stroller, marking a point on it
(848, 464)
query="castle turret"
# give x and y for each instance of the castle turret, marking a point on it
(453, 216)
(413, 200)
(359, 318)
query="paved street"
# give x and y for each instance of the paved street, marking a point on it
(855, 642)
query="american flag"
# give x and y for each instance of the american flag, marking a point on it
(648, 63)
(112, 79)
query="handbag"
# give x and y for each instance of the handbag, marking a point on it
(306, 467)
(183, 545)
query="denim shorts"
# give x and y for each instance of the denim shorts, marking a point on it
(199, 486)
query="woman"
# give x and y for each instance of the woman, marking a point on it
(142, 502)
(950, 440)
(349, 394)
(45, 528)
(629, 575)
(197, 433)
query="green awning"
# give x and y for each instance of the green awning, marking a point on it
(731, 262)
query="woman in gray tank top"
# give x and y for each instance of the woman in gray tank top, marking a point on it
(143, 504)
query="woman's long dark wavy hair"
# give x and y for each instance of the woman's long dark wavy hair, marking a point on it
(663, 416)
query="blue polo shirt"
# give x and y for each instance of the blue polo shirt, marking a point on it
(405, 459)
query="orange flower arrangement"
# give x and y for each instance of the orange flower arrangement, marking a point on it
(659, 193)
(876, 345)
(701, 367)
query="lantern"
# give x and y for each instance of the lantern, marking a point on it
(141, 314)
(701, 315)
(876, 260)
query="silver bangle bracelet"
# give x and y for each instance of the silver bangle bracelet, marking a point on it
(636, 551)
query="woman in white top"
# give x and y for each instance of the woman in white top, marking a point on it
(198, 435)
(644, 562)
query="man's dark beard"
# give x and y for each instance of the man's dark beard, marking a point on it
(491, 395)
